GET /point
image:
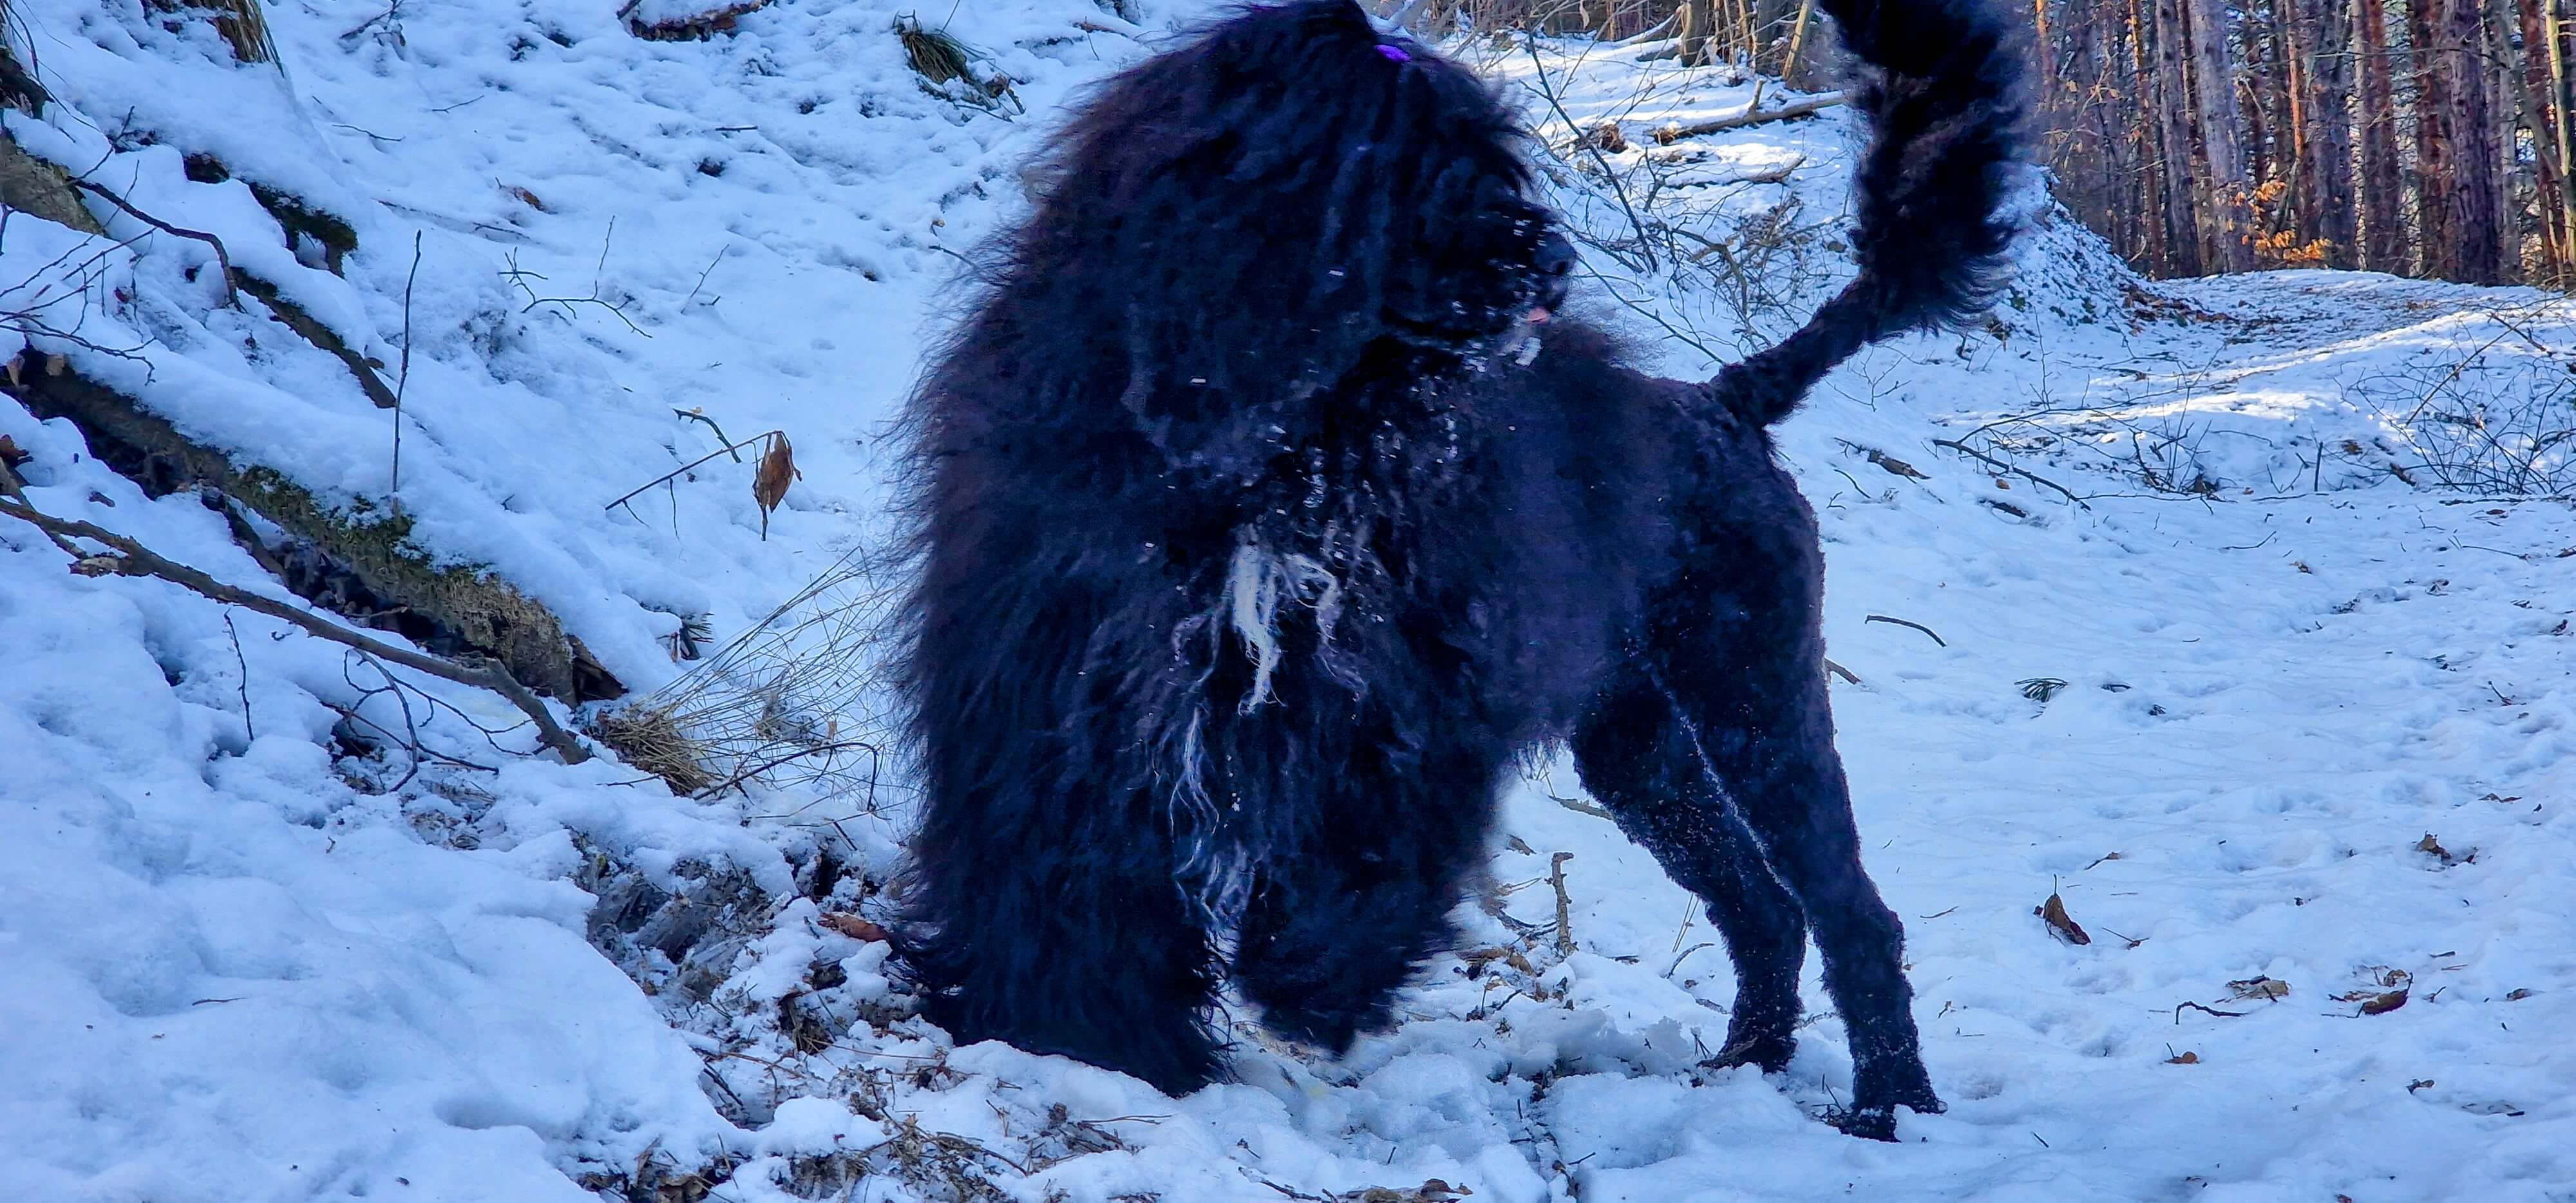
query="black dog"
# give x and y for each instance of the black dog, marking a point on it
(1255, 545)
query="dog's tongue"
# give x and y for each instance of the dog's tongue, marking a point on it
(1538, 316)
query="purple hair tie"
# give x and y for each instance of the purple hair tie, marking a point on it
(1393, 53)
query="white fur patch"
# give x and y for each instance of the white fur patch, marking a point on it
(1256, 582)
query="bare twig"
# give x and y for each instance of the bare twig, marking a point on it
(2001, 466)
(232, 296)
(1564, 905)
(1548, 91)
(133, 559)
(727, 449)
(695, 416)
(1936, 636)
(250, 734)
(402, 382)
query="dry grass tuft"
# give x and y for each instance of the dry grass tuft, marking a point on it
(952, 70)
(799, 700)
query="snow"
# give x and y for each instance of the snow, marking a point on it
(242, 967)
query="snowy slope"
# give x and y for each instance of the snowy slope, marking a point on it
(245, 969)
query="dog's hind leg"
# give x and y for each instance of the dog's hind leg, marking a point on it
(1735, 645)
(1337, 924)
(1639, 761)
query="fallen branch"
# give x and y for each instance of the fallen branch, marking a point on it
(1670, 134)
(2001, 466)
(134, 559)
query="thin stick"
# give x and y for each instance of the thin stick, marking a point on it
(250, 734)
(1616, 188)
(721, 437)
(2024, 473)
(403, 381)
(231, 296)
(134, 559)
(727, 449)
(1564, 907)
(1936, 637)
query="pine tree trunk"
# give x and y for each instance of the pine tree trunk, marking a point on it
(2228, 202)
(2383, 187)
(2437, 179)
(2172, 103)
(2540, 66)
(2471, 126)
(2321, 50)
(2146, 130)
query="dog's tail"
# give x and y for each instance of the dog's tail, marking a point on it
(1944, 103)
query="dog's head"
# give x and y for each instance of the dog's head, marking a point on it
(1291, 188)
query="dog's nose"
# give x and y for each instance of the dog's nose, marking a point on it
(1555, 256)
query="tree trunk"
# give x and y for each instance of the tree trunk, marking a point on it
(2172, 103)
(2542, 65)
(2321, 52)
(2228, 209)
(2383, 191)
(2146, 130)
(2461, 51)
(1691, 28)
(2437, 172)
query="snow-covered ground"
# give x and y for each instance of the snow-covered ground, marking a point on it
(2208, 527)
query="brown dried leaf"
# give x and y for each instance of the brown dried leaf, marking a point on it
(2054, 913)
(2381, 1004)
(769, 485)
(10, 455)
(2269, 989)
(2517, 995)
(528, 198)
(854, 927)
(2434, 847)
(1489, 955)
(2184, 1059)
(98, 566)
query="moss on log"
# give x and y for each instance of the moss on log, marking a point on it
(448, 608)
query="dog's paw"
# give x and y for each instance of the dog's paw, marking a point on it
(1868, 1123)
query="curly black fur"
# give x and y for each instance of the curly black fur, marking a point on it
(1252, 555)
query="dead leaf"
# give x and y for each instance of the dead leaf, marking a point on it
(10, 455)
(2184, 1059)
(1487, 956)
(2054, 912)
(2269, 989)
(2434, 847)
(769, 485)
(854, 927)
(528, 198)
(2517, 995)
(98, 565)
(12, 368)
(2381, 1004)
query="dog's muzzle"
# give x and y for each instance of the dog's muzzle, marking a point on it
(1553, 265)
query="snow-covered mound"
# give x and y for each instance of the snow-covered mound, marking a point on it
(2191, 637)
